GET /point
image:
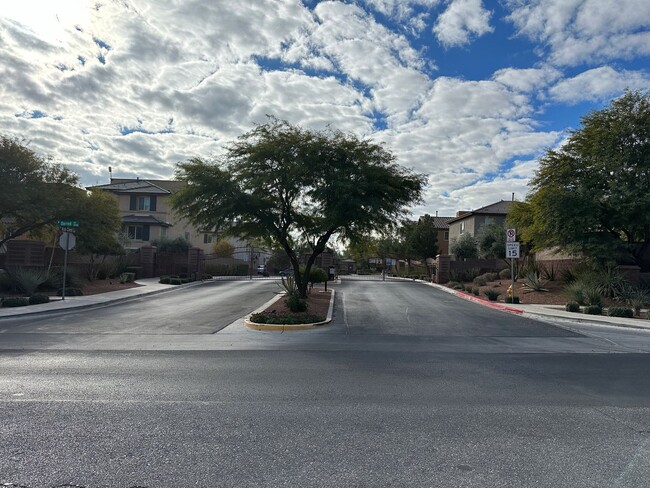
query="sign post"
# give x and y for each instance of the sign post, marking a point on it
(67, 241)
(512, 252)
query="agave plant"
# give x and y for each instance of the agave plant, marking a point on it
(534, 282)
(28, 280)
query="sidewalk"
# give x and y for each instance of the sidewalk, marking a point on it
(548, 312)
(150, 286)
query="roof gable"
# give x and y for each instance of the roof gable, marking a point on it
(152, 187)
(502, 207)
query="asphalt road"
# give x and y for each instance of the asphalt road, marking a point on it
(362, 403)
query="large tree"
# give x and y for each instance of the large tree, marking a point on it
(289, 185)
(422, 238)
(591, 195)
(35, 192)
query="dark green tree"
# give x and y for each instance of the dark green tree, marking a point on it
(491, 241)
(99, 226)
(422, 238)
(464, 247)
(591, 195)
(35, 192)
(285, 185)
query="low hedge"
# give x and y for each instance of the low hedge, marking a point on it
(70, 292)
(593, 310)
(38, 298)
(620, 312)
(512, 300)
(572, 307)
(15, 302)
(289, 319)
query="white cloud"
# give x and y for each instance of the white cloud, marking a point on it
(462, 20)
(527, 80)
(598, 84)
(585, 31)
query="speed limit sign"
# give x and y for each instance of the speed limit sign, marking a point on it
(511, 235)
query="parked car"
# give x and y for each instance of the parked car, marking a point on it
(261, 270)
(286, 272)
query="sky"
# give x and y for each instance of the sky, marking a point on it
(469, 92)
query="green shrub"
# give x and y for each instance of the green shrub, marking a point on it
(15, 302)
(492, 294)
(476, 291)
(512, 300)
(215, 269)
(572, 307)
(452, 284)
(505, 274)
(491, 276)
(178, 245)
(6, 285)
(549, 271)
(593, 297)
(464, 275)
(206, 276)
(55, 280)
(28, 280)
(127, 277)
(480, 281)
(533, 283)
(175, 281)
(620, 312)
(593, 310)
(38, 298)
(279, 319)
(295, 303)
(576, 292)
(609, 282)
(70, 292)
(165, 280)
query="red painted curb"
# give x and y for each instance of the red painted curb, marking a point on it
(485, 303)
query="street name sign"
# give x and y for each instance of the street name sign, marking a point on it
(67, 223)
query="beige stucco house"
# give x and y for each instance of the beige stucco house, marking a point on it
(471, 222)
(147, 214)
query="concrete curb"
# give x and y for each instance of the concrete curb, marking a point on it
(289, 327)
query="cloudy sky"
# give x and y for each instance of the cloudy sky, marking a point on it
(469, 92)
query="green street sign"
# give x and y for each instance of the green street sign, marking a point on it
(67, 223)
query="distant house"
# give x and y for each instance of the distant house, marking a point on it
(471, 222)
(147, 214)
(442, 225)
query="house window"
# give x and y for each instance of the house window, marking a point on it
(143, 203)
(187, 236)
(207, 238)
(138, 232)
(462, 227)
(446, 235)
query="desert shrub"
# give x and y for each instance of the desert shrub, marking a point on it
(568, 276)
(28, 280)
(70, 291)
(576, 292)
(127, 277)
(620, 312)
(476, 290)
(593, 310)
(38, 298)
(175, 281)
(6, 285)
(533, 283)
(505, 274)
(512, 300)
(278, 319)
(206, 276)
(55, 280)
(480, 281)
(491, 276)
(464, 275)
(15, 302)
(295, 303)
(608, 282)
(572, 307)
(634, 297)
(452, 284)
(593, 297)
(492, 294)
(165, 280)
(549, 271)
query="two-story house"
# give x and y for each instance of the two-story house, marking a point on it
(471, 222)
(147, 214)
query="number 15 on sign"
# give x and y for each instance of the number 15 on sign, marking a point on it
(512, 250)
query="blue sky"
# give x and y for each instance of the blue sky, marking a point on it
(469, 92)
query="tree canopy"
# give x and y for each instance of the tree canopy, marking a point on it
(491, 241)
(422, 238)
(35, 192)
(285, 184)
(464, 247)
(591, 195)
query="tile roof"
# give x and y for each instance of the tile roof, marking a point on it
(129, 185)
(144, 219)
(442, 222)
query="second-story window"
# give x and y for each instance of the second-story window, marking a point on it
(462, 227)
(143, 203)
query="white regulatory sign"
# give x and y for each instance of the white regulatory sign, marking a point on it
(511, 235)
(512, 250)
